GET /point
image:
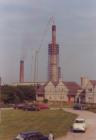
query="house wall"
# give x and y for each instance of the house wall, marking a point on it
(56, 93)
(38, 98)
(90, 93)
(56, 97)
(91, 97)
(84, 82)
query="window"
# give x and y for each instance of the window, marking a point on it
(90, 89)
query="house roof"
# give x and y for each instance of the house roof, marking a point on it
(73, 87)
(93, 82)
(54, 83)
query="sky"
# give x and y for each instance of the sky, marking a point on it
(25, 27)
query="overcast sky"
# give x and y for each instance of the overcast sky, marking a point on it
(24, 27)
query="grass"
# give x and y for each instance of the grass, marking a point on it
(15, 121)
(60, 105)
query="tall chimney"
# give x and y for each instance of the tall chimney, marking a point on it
(21, 78)
(53, 57)
(53, 35)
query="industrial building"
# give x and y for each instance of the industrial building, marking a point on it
(54, 89)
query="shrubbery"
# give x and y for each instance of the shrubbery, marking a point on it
(16, 94)
(45, 100)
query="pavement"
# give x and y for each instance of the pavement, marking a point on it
(90, 133)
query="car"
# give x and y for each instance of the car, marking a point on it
(79, 106)
(43, 106)
(79, 125)
(31, 108)
(19, 106)
(31, 135)
(27, 107)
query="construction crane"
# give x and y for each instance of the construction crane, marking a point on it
(50, 22)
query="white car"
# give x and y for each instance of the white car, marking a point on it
(79, 125)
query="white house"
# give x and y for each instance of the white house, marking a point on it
(61, 91)
(56, 91)
(88, 94)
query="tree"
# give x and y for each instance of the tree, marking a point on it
(16, 94)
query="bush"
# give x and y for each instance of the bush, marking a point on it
(45, 100)
(12, 94)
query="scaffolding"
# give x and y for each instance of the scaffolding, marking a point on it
(53, 58)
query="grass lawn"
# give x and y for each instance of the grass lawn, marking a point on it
(15, 121)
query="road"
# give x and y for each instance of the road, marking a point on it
(90, 133)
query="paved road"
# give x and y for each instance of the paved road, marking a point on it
(90, 133)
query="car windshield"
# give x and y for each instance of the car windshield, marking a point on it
(79, 121)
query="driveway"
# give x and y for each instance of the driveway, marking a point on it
(90, 133)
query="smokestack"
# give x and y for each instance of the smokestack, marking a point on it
(53, 35)
(21, 78)
(53, 58)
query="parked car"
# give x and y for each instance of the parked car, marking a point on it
(43, 106)
(79, 106)
(31, 107)
(19, 106)
(79, 125)
(31, 136)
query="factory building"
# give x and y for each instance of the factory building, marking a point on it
(53, 89)
(56, 90)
